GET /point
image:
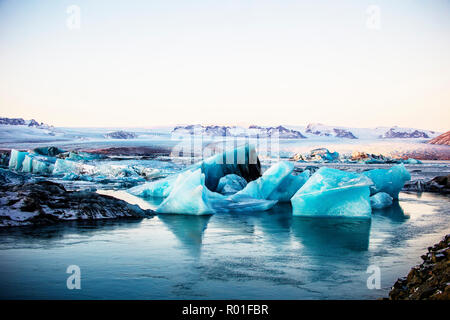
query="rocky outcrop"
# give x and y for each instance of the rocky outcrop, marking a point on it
(4, 157)
(442, 139)
(439, 184)
(121, 135)
(22, 122)
(429, 280)
(341, 133)
(25, 201)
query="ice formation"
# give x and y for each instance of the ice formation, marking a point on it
(38, 164)
(16, 159)
(380, 200)
(189, 195)
(332, 192)
(277, 183)
(231, 183)
(241, 161)
(390, 180)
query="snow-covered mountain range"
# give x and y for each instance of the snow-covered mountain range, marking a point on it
(310, 131)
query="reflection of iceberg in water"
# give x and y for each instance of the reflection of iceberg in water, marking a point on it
(188, 229)
(329, 234)
(393, 212)
(276, 223)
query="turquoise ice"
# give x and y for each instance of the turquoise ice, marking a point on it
(231, 183)
(380, 200)
(16, 159)
(38, 164)
(277, 183)
(390, 180)
(333, 193)
(189, 195)
(242, 161)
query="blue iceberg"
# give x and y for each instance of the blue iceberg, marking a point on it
(189, 195)
(16, 159)
(241, 161)
(380, 200)
(38, 164)
(277, 183)
(231, 183)
(333, 193)
(390, 180)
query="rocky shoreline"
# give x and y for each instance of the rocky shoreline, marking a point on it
(429, 280)
(26, 201)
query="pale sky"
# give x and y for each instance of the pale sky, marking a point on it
(165, 62)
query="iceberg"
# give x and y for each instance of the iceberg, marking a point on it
(412, 161)
(231, 183)
(63, 166)
(277, 183)
(38, 164)
(380, 200)
(333, 193)
(390, 180)
(48, 151)
(16, 159)
(189, 195)
(80, 155)
(241, 161)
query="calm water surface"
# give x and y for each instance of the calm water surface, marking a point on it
(269, 255)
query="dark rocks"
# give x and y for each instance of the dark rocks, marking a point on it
(121, 135)
(4, 157)
(430, 280)
(440, 184)
(28, 202)
(12, 121)
(341, 133)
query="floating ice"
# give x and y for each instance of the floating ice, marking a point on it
(38, 164)
(48, 151)
(412, 161)
(380, 200)
(80, 155)
(277, 183)
(189, 195)
(63, 166)
(16, 159)
(241, 161)
(390, 180)
(231, 183)
(332, 192)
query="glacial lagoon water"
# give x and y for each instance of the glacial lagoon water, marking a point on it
(268, 255)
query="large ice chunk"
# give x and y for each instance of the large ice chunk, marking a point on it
(16, 159)
(38, 164)
(231, 183)
(390, 180)
(380, 200)
(189, 195)
(277, 183)
(241, 161)
(333, 193)
(63, 166)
